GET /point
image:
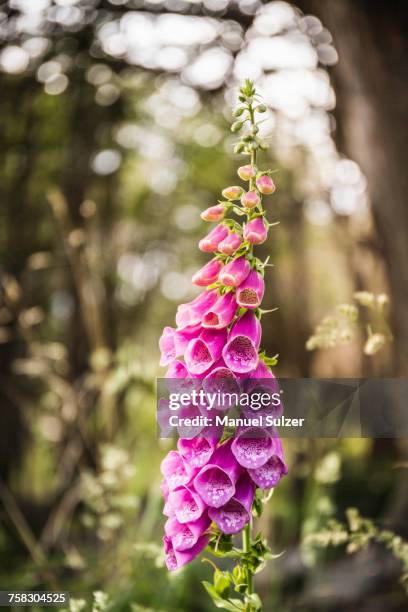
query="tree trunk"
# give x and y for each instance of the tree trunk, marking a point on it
(370, 37)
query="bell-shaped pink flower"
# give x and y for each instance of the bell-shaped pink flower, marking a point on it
(177, 369)
(235, 272)
(208, 274)
(250, 199)
(186, 504)
(262, 380)
(250, 293)
(252, 447)
(241, 351)
(221, 313)
(203, 351)
(192, 312)
(232, 193)
(213, 213)
(255, 231)
(177, 558)
(215, 482)
(246, 172)
(236, 513)
(230, 244)
(173, 342)
(185, 535)
(174, 470)
(221, 379)
(210, 242)
(265, 184)
(270, 473)
(196, 452)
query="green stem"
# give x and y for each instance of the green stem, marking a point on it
(246, 545)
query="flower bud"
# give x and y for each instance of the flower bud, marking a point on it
(210, 243)
(261, 108)
(246, 172)
(235, 272)
(255, 231)
(236, 126)
(214, 213)
(265, 184)
(208, 274)
(230, 244)
(238, 111)
(232, 193)
(250, 199)
(239, 147)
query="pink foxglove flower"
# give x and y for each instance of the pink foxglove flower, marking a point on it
(209, 482)
(250, 199)
(173, 342)
(210, 242)
(177, 558)
(235, 272)
(250, 293)
(208, 274)
(265, 184)
(175, 471)
(253, 447)
(219, 378)
(236, 513)
(193, 312)
(221, 313)
(232, 193)
(255, 231)
(214, 213)
(246, 172)
(215, 482)
(184, 536)
(186, 505)
(230, 244)
(241, 351)
(204, 350)
(270, 473)
(196, 452)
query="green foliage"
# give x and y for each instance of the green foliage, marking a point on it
(356, 535)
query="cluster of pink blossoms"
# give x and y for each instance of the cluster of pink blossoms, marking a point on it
(209, 479)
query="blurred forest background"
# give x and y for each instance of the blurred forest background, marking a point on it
(115, 135)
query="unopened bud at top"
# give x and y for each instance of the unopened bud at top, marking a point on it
(246, 172)
(265, 184)
(232, 193)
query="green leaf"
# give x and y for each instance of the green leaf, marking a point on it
(254, 601)
(227, 604)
